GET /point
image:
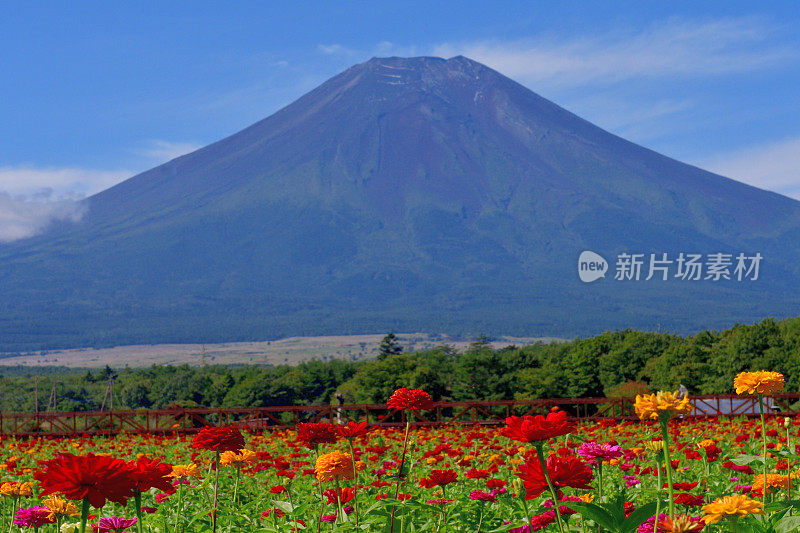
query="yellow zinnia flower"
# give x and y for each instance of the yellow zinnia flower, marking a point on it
(60, 507)
(733, 505)
(190, 470)
(648, 406)
(334, 465)
(15, 489)
(244, 456)
(761, 382)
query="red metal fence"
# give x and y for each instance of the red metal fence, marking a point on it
(178, 420)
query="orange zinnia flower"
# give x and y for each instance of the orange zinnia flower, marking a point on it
(681, 524)
(733, 505)
(761, 382)
(334, 465)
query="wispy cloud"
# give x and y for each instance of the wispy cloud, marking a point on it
(162, 151)
(773, 166)
(22, 217)
(336, 50)
(670, 48)
(33, 197)
(70, 181)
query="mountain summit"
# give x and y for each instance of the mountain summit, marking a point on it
(406, 194)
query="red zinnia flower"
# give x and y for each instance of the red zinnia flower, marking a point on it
(566, 471)
(278, 513)
(353, 429)
(345, 495)
(691, 500)
(415, 399)
(96, 477)
(148, 473)
(439, 478)
(537, 428)
(219, 439)
(312, 433)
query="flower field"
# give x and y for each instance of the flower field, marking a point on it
(663, 473)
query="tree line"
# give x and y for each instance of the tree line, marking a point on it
(618, 363)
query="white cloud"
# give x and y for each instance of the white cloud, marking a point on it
(335, 50)
(163, 151)
(632, 118)
(674, 47)
(21, 217)
(775, 166)
(33, 197)
(70, 181)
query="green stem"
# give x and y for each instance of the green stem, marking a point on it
(764, 442)
(540, 452)
(216, 492)
(137, 498)
(664, 419)
(340, 511)
(355, 478)
(789, 468)
(400, 473)
(525, 507)
(658, 493)
(178, 513)
(236, 484)
(600, 479)
(84, 515)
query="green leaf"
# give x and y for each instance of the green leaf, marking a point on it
(596, 513)
(284, 506)
(742, 460)
(780, 505)
(787, 524)
(638, 517)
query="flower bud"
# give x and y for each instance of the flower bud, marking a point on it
(654, 445)
(787, 422)
(519, 486)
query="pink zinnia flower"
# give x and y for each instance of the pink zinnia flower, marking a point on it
(598, 452)
(483, 496)
(33, 517)
(441, 501)
(106, 524)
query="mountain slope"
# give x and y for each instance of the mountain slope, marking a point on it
(416, 194)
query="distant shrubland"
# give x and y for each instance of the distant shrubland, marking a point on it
(616, 363)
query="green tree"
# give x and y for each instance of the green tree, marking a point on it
(389, 346)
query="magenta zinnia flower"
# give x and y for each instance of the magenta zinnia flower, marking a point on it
(33, 517)
(602, 452)
(106, 524)
(483, 496)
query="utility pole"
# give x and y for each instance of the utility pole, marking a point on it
(109, 395)
(51, 403)
(36, 395)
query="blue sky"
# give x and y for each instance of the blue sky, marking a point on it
(94, 92)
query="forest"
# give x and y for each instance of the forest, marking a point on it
(618, 363)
